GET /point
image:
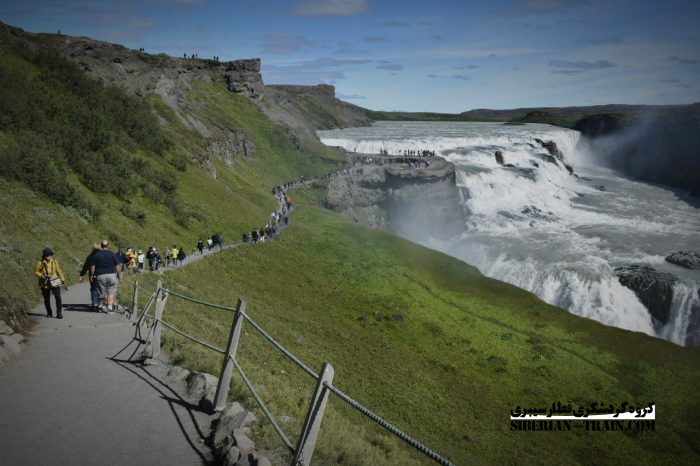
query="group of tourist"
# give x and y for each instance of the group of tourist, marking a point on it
(104, 268)
(412, 153)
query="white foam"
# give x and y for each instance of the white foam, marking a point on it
(544, 230)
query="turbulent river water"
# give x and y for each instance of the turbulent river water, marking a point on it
(544, 230)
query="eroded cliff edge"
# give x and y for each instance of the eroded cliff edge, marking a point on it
(414, 203)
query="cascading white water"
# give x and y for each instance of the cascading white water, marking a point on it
(538, 227)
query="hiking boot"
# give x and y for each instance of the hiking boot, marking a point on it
(49, 314)
(59, 316)
(110, 311)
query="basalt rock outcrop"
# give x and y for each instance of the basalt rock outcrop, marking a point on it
(654, 289)
(306, 109)
(687, 259)
(551, 147)
(243, 77)
(415, 203)
(596, 125)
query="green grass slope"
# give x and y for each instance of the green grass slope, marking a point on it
(469, 350)
(80, 162)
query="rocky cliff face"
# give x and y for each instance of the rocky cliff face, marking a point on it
(306, 109)
(596, 125)
(412, 203)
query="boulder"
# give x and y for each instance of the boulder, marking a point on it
(692, 332)
(207, 402)
(687, 259)
(551, 147)
(17, 337)
(654, 289)
(569, 168)
(5, 329)
(10, 345)
(241, 441)
(178, 372)
(232, 456)
(199, 384)
(499, 157)
(233, 418)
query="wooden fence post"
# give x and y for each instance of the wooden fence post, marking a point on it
(312, 424)
(227, 367)
(135, 303)
(160, 303)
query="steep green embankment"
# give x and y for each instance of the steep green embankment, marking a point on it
(469, 348)
(79, 162)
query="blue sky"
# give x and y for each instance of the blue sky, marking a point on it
(441, 55)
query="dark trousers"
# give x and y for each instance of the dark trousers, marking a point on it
(47, 299)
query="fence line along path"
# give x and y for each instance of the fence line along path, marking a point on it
(303, 450)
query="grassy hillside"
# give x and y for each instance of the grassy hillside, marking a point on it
(80, 162)
(469, 350)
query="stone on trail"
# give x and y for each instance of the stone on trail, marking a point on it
(178, 372)
(232, 456)
(206, 403)
(199, 383)
(5, 329)
(10, 345)
(242, 442)
(397, 318)
(19, 338)
(232, 418)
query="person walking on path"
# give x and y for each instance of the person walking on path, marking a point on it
(210, 243)
(166, 256)
(174, 253)
(181, 256)
(48, 270)
(140, 259)
(122, 257)
(220, 240)
(107, 271)
(86, 268)
(200, 246)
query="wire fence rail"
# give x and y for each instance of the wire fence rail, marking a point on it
(304, 448)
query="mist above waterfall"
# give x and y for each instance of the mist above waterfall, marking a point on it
(662, 147)
(534, 224)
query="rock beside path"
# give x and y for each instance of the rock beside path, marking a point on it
(5, 329)
(10, 345)
(687, 259)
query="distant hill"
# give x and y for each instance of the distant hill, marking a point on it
(563, 116)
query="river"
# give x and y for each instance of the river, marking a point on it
(539, 227)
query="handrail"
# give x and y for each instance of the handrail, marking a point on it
(281, 348)
(263, 407)
(400, 434)
(381, 422)
(191, 337)
(256, 326)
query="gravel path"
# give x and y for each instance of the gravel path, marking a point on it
(73, 397)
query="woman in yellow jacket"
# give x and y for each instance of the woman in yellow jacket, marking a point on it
(46, 269)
